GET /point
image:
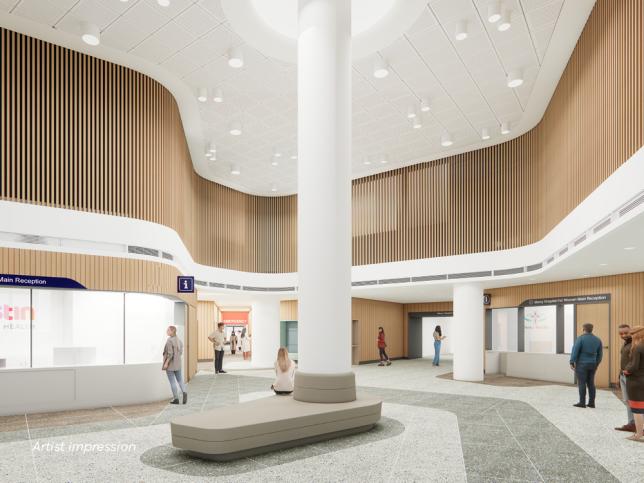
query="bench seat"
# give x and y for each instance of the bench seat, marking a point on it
(271, 423)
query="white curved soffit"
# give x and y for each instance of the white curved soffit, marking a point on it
(570, 24)
(60, 230)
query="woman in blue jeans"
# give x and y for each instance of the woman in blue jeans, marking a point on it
(438, 341)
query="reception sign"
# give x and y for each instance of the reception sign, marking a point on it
(234, 318)
(35, 281)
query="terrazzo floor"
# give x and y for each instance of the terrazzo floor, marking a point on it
(433, 429)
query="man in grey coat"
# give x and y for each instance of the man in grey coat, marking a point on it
(172, 365)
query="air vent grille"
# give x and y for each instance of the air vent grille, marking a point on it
(508, 271)
(394, 280)
(469, 275)
(35, 239)
(581, 239)
(364, 282)
(201, 283)
(429, 278)
(233, 287)
(215, 284)
(151, 252)
(532, 268)
(255, 289)
(632, 205)
(167, 256)
(602, 225)
(563, 251)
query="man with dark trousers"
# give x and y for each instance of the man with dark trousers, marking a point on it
(584, 360)
(218, 339)
(624, 333)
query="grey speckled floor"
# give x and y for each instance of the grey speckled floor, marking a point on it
(425, 435)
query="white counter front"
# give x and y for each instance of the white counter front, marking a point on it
(530, 365)
(82, 387)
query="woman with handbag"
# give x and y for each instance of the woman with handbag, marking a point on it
(172, 365)
(384, 358)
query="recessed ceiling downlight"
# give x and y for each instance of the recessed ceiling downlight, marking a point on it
(505, 127)
(235, 128)
(202, 95)
(218, 96)
(380, 68)
(90, 33)
(493, 12)
(235, 58)
(485, 134)
(505, 22)
(446, 139)
(461, 30)
(234, 170)
(515, 78)
(424, 105)
(163, 3)
(630, 248)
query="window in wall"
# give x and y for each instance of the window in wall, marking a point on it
(569, 327)
(15, 317)
(77, 328)
(505, 330)
(540, 325)
(146, 319)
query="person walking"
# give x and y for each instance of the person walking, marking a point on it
(384, 358)
(625, 334)
(438, 341)
(585, 357)
(635, 382)
(245, 344)
(233, 342)
(172, 353)
(284, 373)
(218, 339)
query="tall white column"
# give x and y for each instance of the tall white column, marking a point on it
(265, 340)
(324, 186)
(468, 332)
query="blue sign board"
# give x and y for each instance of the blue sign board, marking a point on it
(185, 284)
(35, 281)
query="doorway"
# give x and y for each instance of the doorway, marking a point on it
(415, 337)
(599, 316)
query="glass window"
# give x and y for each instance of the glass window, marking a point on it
(540, 325)
(505, 330)
(15, 317)
(569, 327)
(146, 319)
(77, 328)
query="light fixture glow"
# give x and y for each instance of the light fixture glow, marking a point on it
(603, 264)
(218, 96)
(515, 78)
(277, 153)
(273, 187)
(235, 128)
(493, 12)
(163, 3)
(91, 34)
(485, 134)
(366, 162)
(235, 58)
(411, 112)
(384, 160)
(461, 30)
(424, 105)
(380, 68)
(505, 22)
(212, 147)
(202, 95)
(274, 162)
(505, 127)
(417, 124)
(629, 248)
(235, 170)
(293, 156)
(446, 139)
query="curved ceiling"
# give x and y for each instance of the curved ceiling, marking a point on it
(185, 47)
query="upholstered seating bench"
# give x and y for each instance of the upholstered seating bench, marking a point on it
(276, 422)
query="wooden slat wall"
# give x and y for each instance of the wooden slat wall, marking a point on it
(82, 133)
(288, 310)
(372, 314)
(206, 320)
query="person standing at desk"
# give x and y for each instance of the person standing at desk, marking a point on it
(585, 358)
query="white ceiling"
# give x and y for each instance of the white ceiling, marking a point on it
(464, 81)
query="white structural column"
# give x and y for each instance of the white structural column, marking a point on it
(468, 332)
(265, 313)
(324, 186)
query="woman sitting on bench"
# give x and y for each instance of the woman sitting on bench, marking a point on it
(284, 373)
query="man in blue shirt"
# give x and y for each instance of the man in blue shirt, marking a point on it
(584, 360)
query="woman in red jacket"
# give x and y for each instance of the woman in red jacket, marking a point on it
(384, 358)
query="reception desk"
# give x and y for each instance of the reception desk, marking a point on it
(82, 387)
(530, 365)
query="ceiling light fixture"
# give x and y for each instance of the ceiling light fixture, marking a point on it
(274, 162)
(163, 3)
(505, 127)
(277, 153)
(380, 68)
(235, 170)
(493, 12)
(417, 124)
(411, 112)
(485, 134)
(603, 264)
(514, 78)
(212, 147)
(461, 30)
(293, 156)
(629, 248)
(424, 105)
(202, 95)
(235, 128)
(235, 57)
(384, 160)
(366, 162)
(91, 34)
(446, 139)
(218, 96)
(273, 187)
(505, 23)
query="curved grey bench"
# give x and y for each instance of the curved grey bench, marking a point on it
(277, 422)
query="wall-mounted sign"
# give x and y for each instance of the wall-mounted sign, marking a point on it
(185, 284)
(576, 299)
(487, 299)
(34, 281)
(234, 317)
